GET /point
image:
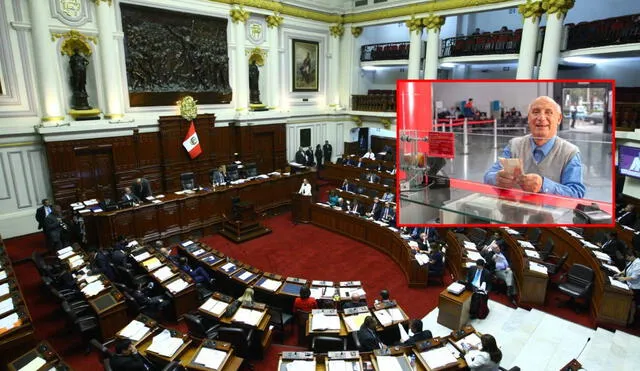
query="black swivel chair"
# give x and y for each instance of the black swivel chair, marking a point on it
(579, 280)
(356, 340)
(104, 352)
(188, 181)
(198, 329)
(241, 339)
(280, 321)
(325, 344)
(547, 251)
(554, 268)
(534, 235)
(477, 236)
(173, 366)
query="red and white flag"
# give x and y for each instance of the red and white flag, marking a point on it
(191, 142)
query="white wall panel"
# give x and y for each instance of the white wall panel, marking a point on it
(4, 179)
(19, 177)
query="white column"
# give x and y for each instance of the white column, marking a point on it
(349, 65)
(49, 89)
(273, 68)
(105, 16)
(333, 96)
(528, 44)
(241, 90)
(415, 49)
(551, 48)
(432, 54)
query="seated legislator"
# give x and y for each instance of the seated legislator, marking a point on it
(386, 213)
(219, 177)
(384, 296)
(355, 207)
(347, 186)
(423, 242)
(305, 188)
(355, 302)
(368, 336)
(305, 302)
(247, 296)
(369, 154)
(484, 358)
(631, 275)
(374, 210)
(550, 164)
(478, 276)
(372, 178)
(388, 196)
(142, 189)
(436, 261)
(126, 357)
(145, 297)
(341, 205)
(615, 248)
(627, 216)
(333, 198)
(504, 272)
(128, 196)
(199, 274)
(418, 333)
(393, 222)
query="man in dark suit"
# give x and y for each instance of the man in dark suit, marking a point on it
(627, 216)
(373, 178)
(476, 276)
(126, 357)
(615, 249)
(423, 242)
(42, 212)
(100, 263)
(128, 196)
(355, 207)
(347, 186)
(368, 337)
(301, 158)
(142, 189)
(55, 228)
(374, 210)
(327, 151)
(386, 213)
(418, 334)
(309, 155)
(393, 221)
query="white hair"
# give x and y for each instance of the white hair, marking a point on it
(547, 98)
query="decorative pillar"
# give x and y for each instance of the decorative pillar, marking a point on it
(531, 12)
(49, 89)
(556, 11)
(350, 65)
(333, 97)
(433, 23)
(273, 60)
(105, 15)
(239, 17)
(415, 47)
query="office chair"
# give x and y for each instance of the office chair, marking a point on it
(477, 236)
(173, 366)
(372, 193)
(104, 352)
(356, 340)
(301, 321)
(547, 252)
(188, 181)
(534, 236)
(325, 344)
(241, 339)
(198, 329)
(280, 321)
(554, 268)
(578, 285)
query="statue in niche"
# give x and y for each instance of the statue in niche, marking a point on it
(78, 64)
(254, 79)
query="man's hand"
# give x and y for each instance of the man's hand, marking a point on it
(531, 183)
(505, 180)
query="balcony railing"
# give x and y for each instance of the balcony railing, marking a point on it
(603, 32)
(382, 52)
(486, 43)
(375, 101)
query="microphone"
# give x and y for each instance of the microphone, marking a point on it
(583, 348)
(574, 365)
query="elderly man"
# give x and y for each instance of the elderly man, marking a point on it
(550, 164)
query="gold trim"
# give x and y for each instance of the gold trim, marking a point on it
(276, 6)
(239, 15)
(274, 21)
(52, 118)
(531, 9)
(336, 30)
(557, 7)
(73, 40)
(356, 31)
(386, 123)
(357, 120)
(240, 109)
(113, 115)
(18, 144)
(433, 22)
(97, 2)
(257, 54)
(414, 24)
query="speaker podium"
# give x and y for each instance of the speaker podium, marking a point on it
(244, 224)
(301, 208)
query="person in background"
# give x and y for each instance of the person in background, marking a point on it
(301, 157)
(386, 213)
(166, 252)
(318, 154)
(341, 205)
(142, 189)
(504, 272)
(42, 212)
(369, 154)
(384, 296)
(631, 275)
(388, 196)
(327, 151)
(309, 154)
(627, 216)
(418, 333)
(56, 229)
(99, 261)
(199, 274)
(355, 207)
(374, 210)
(392, 171)
(247, 296)
(368, 337)
(478, 276)
(305, 302)
(155, 304)
(487, 359)
(436, 261)
(347, 186)
(126, 357)
(128, 196)
(333, 198)
(305, 188)
(393, 222)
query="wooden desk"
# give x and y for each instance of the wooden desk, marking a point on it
(229, 363)
(379, 237)
(608, 303)
(143, 347)
(150, 323)
(44, 351)
(111, 310)
(179, 215)
(340, 172)
(453, 310)
(342, 331)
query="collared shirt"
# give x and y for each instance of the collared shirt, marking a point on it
(633, 270)
(476, 278)
(47, 211)
(501, 261)
(305, 189)
(570, 180)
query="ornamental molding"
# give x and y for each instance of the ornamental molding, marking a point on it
(70, 12)
(73, 40)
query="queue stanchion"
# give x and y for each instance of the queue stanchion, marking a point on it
(465, 137)
(450, 124)
(495, 133)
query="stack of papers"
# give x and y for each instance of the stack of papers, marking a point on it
(144, 256)
(64, 251)
(526, 244)
(354, 322)
(537, 267)
(456, 288)
(210, 358)
(228, 267)
(93, 289)
(388, 316)
(6, 306)
(163, 273)
(34, 365)
(438, 357)
(471, 339)
(473, 255)
(135, 330)
(389, 363)
(249, 316)
(245, 276)
(469, 245)
(532, 253)
(612, 268)
(342, 365)
(320, 322)
(573, 233)
(132, 244)
(187, 243)
(590, 245)
(512, 232)
(65, 255)
(300, 365)
(177, 285)
(3, 274)
(165, 345)
(214, 306)
(346, 292)
(602, 256)
(9, 322)
(90, 202)
(198, 252)
(618, 284)
(413, 244)
(156, 201)
(422, 258)
(271, 285)
(84, 211)
(152, 264)
(4, 289)
(97, 210)
(160, 196)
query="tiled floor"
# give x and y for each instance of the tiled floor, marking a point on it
(536, 341)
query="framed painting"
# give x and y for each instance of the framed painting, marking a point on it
(305, 65)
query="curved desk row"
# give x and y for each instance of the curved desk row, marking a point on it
(609, 304)
(373, 234)
(181, 214)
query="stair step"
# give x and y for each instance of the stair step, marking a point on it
(594, 356)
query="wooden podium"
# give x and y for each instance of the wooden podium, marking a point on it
(244, 224)
(453, 310)
(301, 208)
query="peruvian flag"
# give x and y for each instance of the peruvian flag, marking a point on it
(191, 142)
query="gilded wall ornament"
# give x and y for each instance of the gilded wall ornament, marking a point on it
(73, 13)
(188, 108)
(557, 7)
(356, 31)
(274, 20)
(357, 120)
(433, 22)
(414, 24)
(258, 55)
(71, 8)
(337, 30)
(531, 9)
(239, 15)
(73, 40)
(386, 123)
(103, 1)
(255, 31)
